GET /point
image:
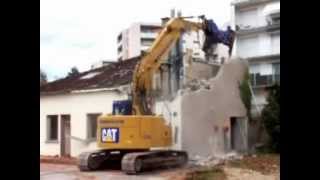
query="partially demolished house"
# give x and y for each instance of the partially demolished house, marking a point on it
(199, 98)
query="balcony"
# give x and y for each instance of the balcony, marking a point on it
(260, 81)
(151, 35)
(262, 77)
(254, 30)
(245, 3)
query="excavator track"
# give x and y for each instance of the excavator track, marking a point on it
(90, 161)
(133, 163)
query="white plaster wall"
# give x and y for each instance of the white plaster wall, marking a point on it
(275, 41)
(265, 46)
(77, 105)
(261, 44)
(134, 40)
(171, 111)
(255, 16)
(248, 46)
(247, 17)
(149, 34)
(125, 44)
(204, 109)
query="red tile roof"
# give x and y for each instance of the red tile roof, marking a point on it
(115, 74)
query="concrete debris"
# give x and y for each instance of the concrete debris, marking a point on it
(197, 84)
(214, 160)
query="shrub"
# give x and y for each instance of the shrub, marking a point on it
(271, 117)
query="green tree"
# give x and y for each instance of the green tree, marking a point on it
(74, 71)
(245, 93)
(271, 117)
(43, 77)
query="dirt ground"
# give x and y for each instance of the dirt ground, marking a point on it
(259, 167)
(247, 174)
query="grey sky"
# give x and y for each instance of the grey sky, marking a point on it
(80, 32)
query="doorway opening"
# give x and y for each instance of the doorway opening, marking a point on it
(65, 144)
(238, 134)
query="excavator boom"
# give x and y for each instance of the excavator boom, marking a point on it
(142, 78)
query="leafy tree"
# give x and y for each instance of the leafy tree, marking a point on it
(74, 71)
(43, 77)
(245, 93)
(271, 117)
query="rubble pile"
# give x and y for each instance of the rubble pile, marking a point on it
(215, 160)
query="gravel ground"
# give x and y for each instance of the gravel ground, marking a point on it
(261, 167)
(247, 174)
(71, 172)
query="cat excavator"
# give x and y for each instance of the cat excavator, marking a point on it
(133, 134)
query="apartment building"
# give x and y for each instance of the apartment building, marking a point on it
(257, 24)
(132, 41)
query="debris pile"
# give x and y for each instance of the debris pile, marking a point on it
(215, 160)
(196, 84)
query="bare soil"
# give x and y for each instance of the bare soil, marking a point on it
(58, 160)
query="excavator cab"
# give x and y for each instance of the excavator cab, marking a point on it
(122, 107)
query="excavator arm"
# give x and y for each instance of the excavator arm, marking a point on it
(150, 62)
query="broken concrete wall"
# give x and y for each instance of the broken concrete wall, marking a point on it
(199, 98)
(196, 69)
(206, 113)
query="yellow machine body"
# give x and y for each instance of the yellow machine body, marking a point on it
(133, 132)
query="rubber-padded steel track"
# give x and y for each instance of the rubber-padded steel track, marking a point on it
(133, 163)
(89, 161)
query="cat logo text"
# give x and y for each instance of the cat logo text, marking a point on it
(110, 135)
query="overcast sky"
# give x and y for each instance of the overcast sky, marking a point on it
(80, 32)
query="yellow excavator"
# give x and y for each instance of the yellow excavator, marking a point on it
(132, 132)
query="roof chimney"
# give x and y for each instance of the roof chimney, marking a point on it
(179, 13)
(173, 13)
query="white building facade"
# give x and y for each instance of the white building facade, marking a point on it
(257, 24)
(68, 121)
(69, 107)
(135, 39)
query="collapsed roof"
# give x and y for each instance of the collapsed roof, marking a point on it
(115, 74)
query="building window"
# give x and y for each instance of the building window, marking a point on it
(150, 29)
(92, 125)
(275, 42)
(52, 128)
(146, 41)
(176, 134)
(265, 74)
(248, 46)
(247, 18)
(119, 49)
(276, 72)
(119, 38)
